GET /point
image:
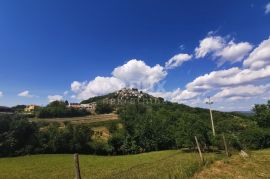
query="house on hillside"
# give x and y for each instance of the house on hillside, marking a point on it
(74, 105)
(90, 106)
(30, 108)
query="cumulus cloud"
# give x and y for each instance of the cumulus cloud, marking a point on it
(230, 77)
(241, 92)
(1, 94)
(237, 83)
(228, 85)
(135, 73)
(66, 93)
(177, 95)
(177, 60)
(259, 57)
(221, 50)
(208, 45)
(100, 86)
(77, 86)
(168, 95)
(52, 98)
(233, 52)
(26, 94)
(267, 8)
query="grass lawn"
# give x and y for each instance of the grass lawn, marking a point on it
(257, 166)
(162, 164)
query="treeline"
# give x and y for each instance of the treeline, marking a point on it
(159, 127)
(145, 128)
(18, 136)
(58, 109)
(55, 109)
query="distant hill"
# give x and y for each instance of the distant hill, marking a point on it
(125, 95)
(245, 113)
(5, 109)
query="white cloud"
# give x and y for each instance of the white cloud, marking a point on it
(185, 95)
(177, 60)
(100, 86)
(1, 94)
(267, 8)
(208, 45)
(26, 94)
(259, 57)
(168, 95)
(221, 50)
(241, 92)
(135, 73)
(52, 98)
(66, 93)
(233, 52)
(237, 83)
(176, 95)
(230, 77)
(77, 86)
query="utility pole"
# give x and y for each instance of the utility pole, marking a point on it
(209, 102)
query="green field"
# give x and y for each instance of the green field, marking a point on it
(256, 166)
(162, 164)
(80, 120)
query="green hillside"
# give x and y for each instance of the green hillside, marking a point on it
(125, 95)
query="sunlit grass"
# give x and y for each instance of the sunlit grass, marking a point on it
(162, 164)
(256, 166)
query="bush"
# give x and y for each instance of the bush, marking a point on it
(262, 114)
(102, 108)
(255, 138)
(117, 141)
(17, 135)
(100, 147)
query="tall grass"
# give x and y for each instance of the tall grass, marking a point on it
(162, 164)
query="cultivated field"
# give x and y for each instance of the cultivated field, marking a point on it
(163, 164)
(81, 120)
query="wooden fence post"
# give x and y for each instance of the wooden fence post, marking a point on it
(225, 145)
(199, 149)
(77, 166)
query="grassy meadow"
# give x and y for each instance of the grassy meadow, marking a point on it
(162, 164)
(80, 120)
(256, 166)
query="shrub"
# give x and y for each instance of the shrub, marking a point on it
(255, 138)
(102, 108)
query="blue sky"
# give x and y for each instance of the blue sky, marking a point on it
(47, 45)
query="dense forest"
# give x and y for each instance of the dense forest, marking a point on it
(145, 128)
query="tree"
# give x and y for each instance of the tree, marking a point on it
(117, 141)
(188, 127)
(256, 138)
(102, 108)
(262, 114)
